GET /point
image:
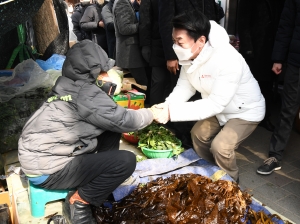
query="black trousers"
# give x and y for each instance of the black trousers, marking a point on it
(140, 75)
(95, 175)
(289, 107)
(160, 84)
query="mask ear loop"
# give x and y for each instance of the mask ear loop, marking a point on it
(97, 83)
(109, 92)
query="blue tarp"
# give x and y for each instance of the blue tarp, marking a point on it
(55, 62)
(186, 162)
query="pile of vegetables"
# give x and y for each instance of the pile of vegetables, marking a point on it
(157, 137)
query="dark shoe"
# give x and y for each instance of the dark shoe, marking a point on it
(57, 219)
(77, 213)
(267, 125)
(269, 166)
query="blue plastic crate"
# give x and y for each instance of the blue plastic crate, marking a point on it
(6, 73)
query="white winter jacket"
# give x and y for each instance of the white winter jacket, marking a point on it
(224, 80)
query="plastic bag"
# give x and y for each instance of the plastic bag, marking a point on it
(55, 62)
(27, 76)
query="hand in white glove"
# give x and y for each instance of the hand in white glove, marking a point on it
(164, 116)
(155, 111)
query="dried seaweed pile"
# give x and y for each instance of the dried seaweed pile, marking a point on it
(188, 198)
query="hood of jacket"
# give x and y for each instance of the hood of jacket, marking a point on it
(85, 60)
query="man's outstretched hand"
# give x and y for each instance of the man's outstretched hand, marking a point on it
(164, 115)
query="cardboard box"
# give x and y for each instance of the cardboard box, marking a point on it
(131, 99)
(129, 83)
(5, 199)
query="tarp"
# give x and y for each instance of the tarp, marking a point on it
(55, 62)
(186, 162)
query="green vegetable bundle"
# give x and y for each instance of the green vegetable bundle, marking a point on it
(157, 137)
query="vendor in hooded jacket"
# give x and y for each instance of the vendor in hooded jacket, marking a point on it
(72, 141)
(232, 104)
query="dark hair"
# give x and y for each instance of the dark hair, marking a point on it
(194, 22)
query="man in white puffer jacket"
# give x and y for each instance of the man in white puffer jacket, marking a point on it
(232, 104)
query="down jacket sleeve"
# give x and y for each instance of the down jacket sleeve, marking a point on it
(222, 92)
(108, 18)
(89, 21)
(76, 26)
(97, 108)
(123, 18)
(285, 32)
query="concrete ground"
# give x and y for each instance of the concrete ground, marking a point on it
(279, 190)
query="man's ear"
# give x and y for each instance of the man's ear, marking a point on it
(202, 40)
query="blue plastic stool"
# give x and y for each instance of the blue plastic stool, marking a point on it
(38, 198)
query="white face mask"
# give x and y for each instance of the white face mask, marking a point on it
(183, 54)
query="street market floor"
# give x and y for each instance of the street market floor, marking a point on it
(280, 191)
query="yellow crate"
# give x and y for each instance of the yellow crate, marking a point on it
(132, 104)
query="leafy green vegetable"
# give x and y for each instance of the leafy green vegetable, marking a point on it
(157, 137)
(140, 158)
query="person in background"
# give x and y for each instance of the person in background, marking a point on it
(286, 50)
(232, 104)
(257, 26)
(108, 20)
(128, 51)
(136, 6)
(69, 11)
(72, 140)
(76, 17)
(152, 51)
(92, 21)
(66, 5)
(170, 8)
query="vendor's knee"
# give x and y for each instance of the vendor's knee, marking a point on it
(128, 161)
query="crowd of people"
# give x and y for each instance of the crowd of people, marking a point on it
(130, 32)
(72, 140)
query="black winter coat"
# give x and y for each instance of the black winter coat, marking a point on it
(257, 25)
(108, 20)
(170, 8)
(128, 51)
(287, 41)
(90, 22)
(149, 32)
(76, 17)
